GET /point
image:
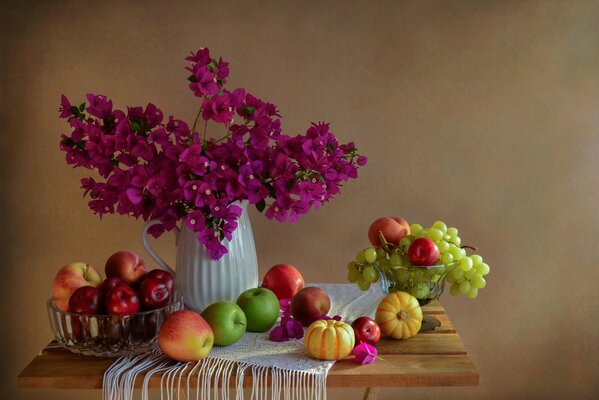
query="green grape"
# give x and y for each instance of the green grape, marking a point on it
(418, 275)
(466, 264)
(352, 275)
(449, 278)
(422, 233)
(447, 258)
(370, 255)
(455, 289)
(457, 274)
(363, 284)
(482, 269)
(352, 265)
(478, 282)
(440, 225)
(360, 257)
(443, 246)
(405, 243)
(465, 287)
(447, 237)
(434, 234)
(395, 260)
(457, 252)
(380, 254)
(455, 240)
(370, 274)
(452, 231)
(476, 259)
(470, 274)
(472, 293)
(415, 229)
(420, 291)
(402, 275)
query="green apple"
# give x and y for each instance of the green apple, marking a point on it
(261, 308)
(227, 321)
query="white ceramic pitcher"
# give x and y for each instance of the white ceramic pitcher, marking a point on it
(202, 280)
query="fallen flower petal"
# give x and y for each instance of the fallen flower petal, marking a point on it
(365, 353)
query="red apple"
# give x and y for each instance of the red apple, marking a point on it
(86, 300)
(423, 252)
(284, 280)
(164, 276)
(392, 228)
(126, 265)
(70, 278)
(153, 293)
(185, 336)
(121, 300)
(309, 304)
(366, 330)
(110, 283)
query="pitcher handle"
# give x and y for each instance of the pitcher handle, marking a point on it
(144, 239)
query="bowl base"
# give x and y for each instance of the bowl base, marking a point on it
(429, 323)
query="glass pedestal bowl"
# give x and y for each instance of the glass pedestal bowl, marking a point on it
(424, 283)
(109, 335)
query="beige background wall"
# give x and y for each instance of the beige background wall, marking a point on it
(480, 113)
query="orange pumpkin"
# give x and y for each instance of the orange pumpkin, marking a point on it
(329, 340)
(399, 315)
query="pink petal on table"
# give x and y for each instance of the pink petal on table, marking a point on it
(365, 353)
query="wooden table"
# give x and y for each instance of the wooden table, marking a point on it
(435, 358)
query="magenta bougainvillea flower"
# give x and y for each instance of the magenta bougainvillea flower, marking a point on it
(365, 353)
(288, 327)
(162, 168)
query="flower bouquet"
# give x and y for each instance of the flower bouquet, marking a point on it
(160, 168)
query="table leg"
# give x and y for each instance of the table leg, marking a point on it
(371, 393)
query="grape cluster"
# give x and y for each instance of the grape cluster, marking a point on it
(391, 263)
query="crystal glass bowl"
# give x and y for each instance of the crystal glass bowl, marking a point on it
(109, 335)
(424, 283)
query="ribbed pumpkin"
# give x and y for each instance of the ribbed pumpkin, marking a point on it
(399, 315)
(329, 340)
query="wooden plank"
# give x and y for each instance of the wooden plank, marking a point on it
(371, 393)
(68, 371)
(433, 308)
(433, 344)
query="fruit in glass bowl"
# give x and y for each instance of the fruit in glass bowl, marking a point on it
(110, 335)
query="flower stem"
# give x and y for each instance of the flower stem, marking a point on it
(196, 121)
(204, 135)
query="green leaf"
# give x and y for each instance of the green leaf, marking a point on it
(67, 142)
(249, 111)
(115, 162)
(192, 78)
(135, 125)
(261, 205)
(75, 111)
(82, 106)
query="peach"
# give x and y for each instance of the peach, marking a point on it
(126, 265)
(185, 336)
(70, 278)
(392, 228)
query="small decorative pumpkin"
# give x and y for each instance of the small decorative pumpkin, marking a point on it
(329, 340)
(399, 315)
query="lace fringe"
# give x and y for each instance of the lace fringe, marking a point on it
(212, 380)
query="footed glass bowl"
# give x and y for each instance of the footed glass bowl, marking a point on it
(109, 335)
(424, 283)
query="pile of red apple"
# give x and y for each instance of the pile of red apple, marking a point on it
(128, 288)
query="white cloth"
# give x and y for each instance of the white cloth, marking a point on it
(292, 374)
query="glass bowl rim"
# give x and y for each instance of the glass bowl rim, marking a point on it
(176, 298)
(451, 264)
